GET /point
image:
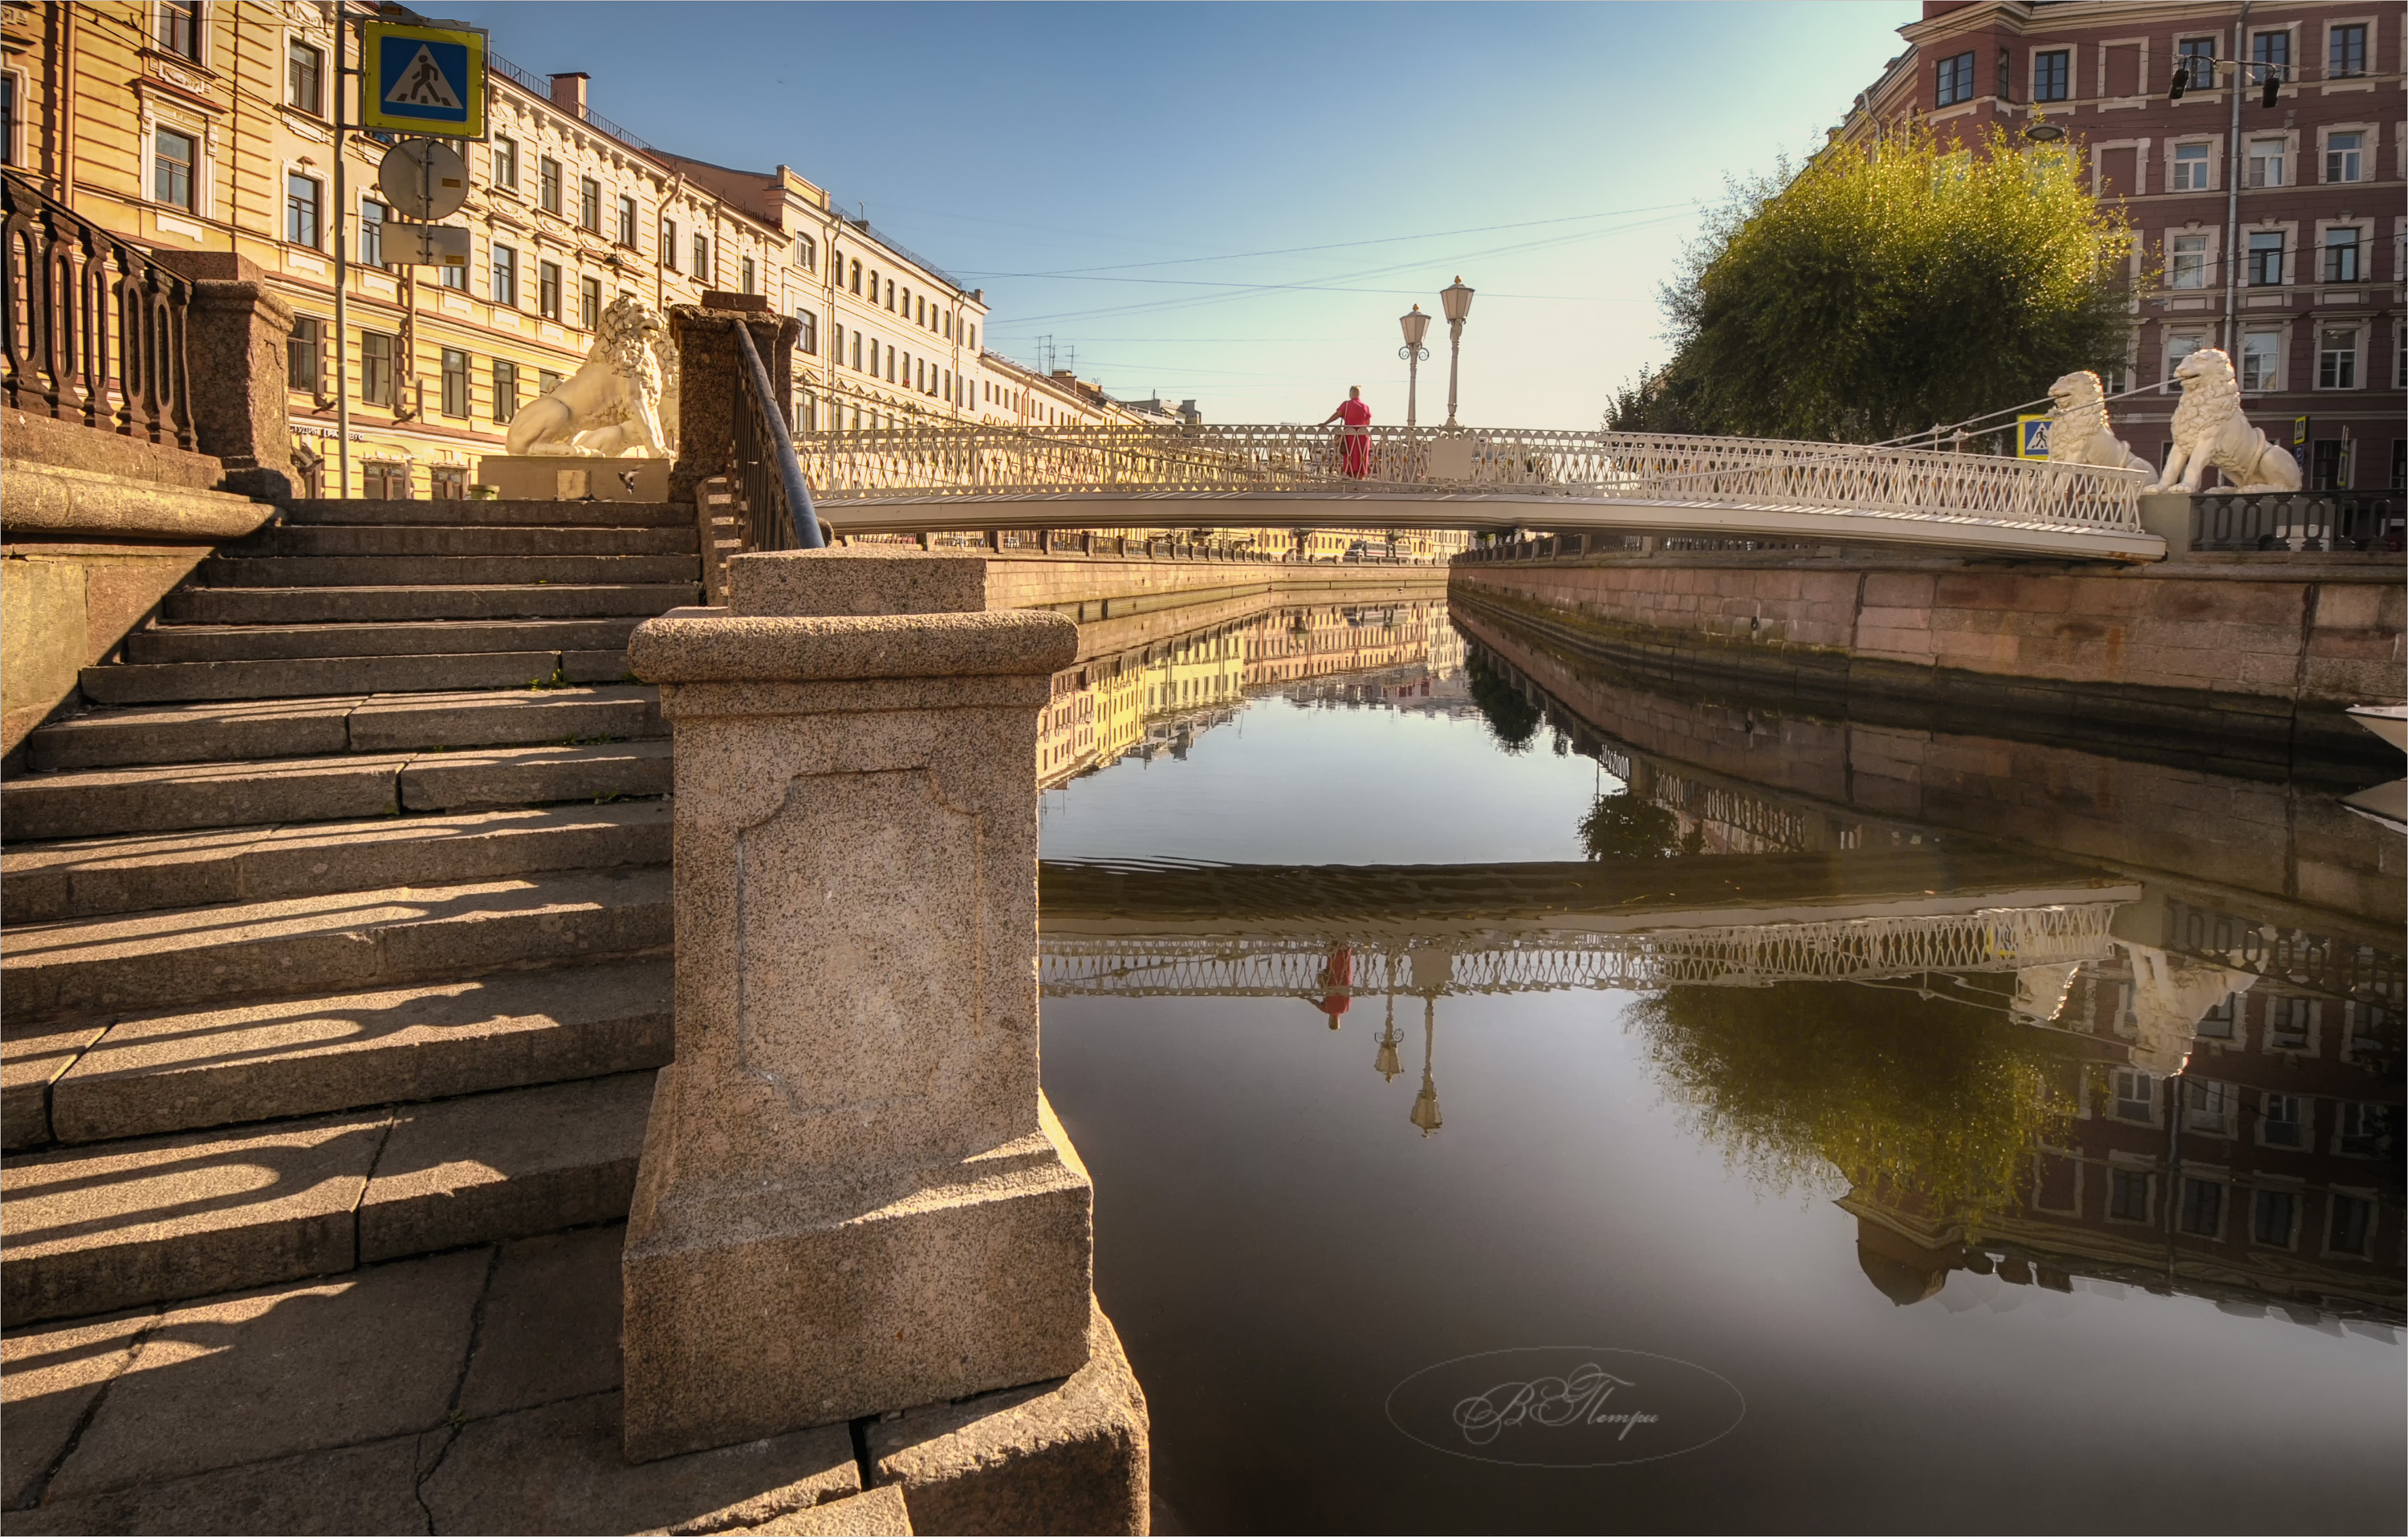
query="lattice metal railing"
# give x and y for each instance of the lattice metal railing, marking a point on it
(985, 460)
(1491, 961)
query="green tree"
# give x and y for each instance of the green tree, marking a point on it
(1513, 719)
(1621, 826)
(1887, 286)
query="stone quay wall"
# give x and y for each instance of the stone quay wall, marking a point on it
(1109, 587)
(2244, 655)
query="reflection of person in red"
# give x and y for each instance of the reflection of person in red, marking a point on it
(1356, 459)
(1338, 975)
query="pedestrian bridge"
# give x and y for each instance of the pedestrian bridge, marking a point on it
(982, 475)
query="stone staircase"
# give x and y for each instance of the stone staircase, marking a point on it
(337, 924)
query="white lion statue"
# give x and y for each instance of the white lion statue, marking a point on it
(621, 402)
(2078, 430)
(2209, 429)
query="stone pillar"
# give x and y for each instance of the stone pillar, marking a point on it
(235, 350)
(707, 379)
(851, 1198)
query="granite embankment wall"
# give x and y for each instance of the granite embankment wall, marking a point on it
(2239, 655)
(1112, 587)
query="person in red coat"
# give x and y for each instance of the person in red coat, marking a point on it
(1356, 458)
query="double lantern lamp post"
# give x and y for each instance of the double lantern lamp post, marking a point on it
(1455, 301)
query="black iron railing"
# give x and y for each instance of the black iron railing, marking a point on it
(773, 502)
(2364, 521)
(94, 328)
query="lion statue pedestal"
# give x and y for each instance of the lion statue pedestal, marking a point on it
(607, 432)
(2209, 429)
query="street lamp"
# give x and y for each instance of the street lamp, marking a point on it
(1416, 325)
(1456, 300)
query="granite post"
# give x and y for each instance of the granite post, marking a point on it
(707, 379)
(235, 351)
(851, 1198)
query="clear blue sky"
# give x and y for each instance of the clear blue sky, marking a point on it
(1133, 180)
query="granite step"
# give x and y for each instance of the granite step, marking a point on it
(264, 642)
(597, 514)
(187, 1070)
(143, 872)
(308, 677)
(250, 730)
(117, 1225)
(185, 957)
(348, 539)
(412, 603)
(178, 797)
(443, 571)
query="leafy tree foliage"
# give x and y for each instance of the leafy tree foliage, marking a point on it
(1623, 826)
(1883, 287)
(1513, 719)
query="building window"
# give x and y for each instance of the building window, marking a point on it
(547, 290)
(2136, 1096)
(2271, 51)
(2345, 156)
(973, 338)
(1955, 80)
(179, 28)
(589, 204)
(171, 168)
(545, 383)
(448, 482)
(505, 390)
(2128, 1195)
(2196, 63)
(372, 234)
(301, 211)
(2328, 464)
(506, 162)
(2050, 73)
(2282, 1121)
(2276, 1218)
(856, 277)
(807, 253)
(455, 382)
(376, 367)
(2340, 255)
(810, 340)
(2188, 267)
(506, 276)
(670, 244)
(2337, 361)
(2360, 1133)
(454, 276)
(626, 221)
(384, 481)
(2261, 360)
(2352, 1225)
(589, 303)
(2192, 168)
(890, 296)
(2207, 1107)
(8, 119)
(2348, 51)
(301, 354)
(2288, 1023)
(2400, 445)
(2265, 162)
(2202, 1207)
(303, 66)
(744, 273)
(2266, 258)
(856, 352)
(702, 260)
(547, 183)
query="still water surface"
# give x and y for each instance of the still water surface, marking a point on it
(1703, 1111)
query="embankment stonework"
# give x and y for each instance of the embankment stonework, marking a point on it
(2230, 652)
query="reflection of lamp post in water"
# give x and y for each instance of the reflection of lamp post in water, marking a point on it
(1387, 1062)
(1425, 1104)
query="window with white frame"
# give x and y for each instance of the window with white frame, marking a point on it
(2342, 251)
(506, 276)
(2266, 157)
(172, 156)
(506, 162)
(2336, 365)
(2187, 262)
(2265, 268)
(2282, 1121)
(2194, 169)
(2136, 1096)
(2261, 360)
(807, 253)
(1954, 80)
(2360, 1131)
(809, 341)
(2290, 1023)
(2345, 156)
(305, 69)
(2207, 1107)
(301, 210)
(372, 233)
(180, 28)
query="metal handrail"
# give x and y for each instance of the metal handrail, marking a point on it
(773, 501)
(92, 329)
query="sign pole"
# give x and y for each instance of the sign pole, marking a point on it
(342, 279)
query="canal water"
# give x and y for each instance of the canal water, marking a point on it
(1518, 1101)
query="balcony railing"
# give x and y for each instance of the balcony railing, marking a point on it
(95, 329)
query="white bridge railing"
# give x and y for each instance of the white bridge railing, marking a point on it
(938, 461)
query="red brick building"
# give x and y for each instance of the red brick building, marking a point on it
(2275, 232)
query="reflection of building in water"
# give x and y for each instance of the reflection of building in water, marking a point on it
(1159, 697)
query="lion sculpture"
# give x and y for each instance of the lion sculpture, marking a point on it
(621, 402)
(2078, 430)
(2209, 429)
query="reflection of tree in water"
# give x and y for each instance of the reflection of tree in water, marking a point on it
(1512, 720)
(1621, 826)
(1803, 1080)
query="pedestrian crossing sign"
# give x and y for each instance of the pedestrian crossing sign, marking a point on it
(2032, 437)
(419, 79)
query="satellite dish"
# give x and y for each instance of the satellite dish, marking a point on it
(423, 178)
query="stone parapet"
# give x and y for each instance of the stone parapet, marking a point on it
(707, 384)
(29, 439)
